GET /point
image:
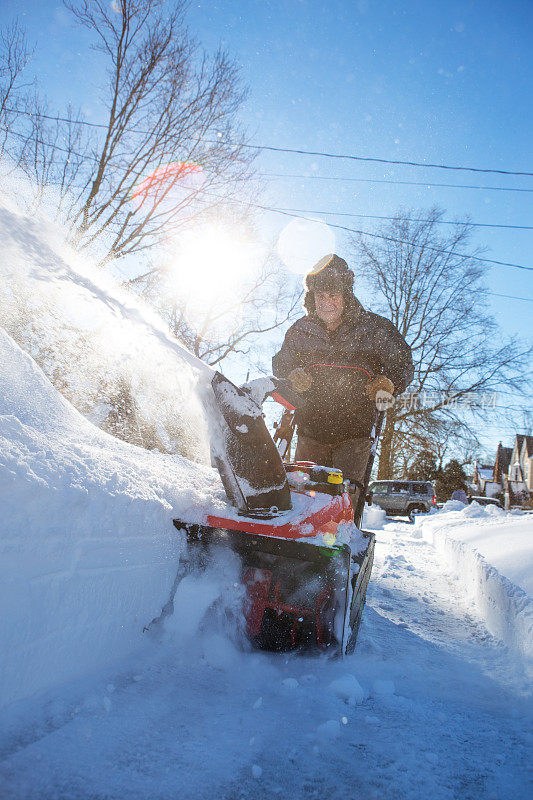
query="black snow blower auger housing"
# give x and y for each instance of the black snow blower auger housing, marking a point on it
(305, 563)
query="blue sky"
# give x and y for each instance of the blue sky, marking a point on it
(417, 80)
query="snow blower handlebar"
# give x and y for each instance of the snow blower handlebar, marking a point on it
(280, 389)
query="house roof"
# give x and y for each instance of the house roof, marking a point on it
(503, 459)
(485, 471)
(519, 441)
(528, 445)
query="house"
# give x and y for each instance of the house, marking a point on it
(511, 474)
(483, 480)
(519, 484)
(501, 465)
(527, 461)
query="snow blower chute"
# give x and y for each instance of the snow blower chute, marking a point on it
(305, 564)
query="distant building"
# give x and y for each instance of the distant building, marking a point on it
(511, 474)
(483, 480)
(501, 465)
(518, 487)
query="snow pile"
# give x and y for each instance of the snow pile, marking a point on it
(88, 553)
(491, 553)
(374, 518)
(349, 689)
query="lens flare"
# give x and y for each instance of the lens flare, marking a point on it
(187, 176)
(303, 242)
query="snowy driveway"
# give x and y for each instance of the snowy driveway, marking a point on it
(429, 706)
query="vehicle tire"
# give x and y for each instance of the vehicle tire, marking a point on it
(415, 510)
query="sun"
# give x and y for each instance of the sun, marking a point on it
(210, 268)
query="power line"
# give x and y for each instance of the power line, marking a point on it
(59, 119)
(512, 297)
(405, 219)
(383, 160)
(276, 174)
(297, 212)
(318, 153)
(391, 181)
(331, 224)
(398, 241)
(53, 146)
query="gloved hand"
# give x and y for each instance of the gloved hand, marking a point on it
(381, 390)
(300, 380)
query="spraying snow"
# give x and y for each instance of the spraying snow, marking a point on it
(89, 554)
(96, 342)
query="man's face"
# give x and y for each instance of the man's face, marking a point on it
(329, 307)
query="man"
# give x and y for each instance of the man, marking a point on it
(344, 362)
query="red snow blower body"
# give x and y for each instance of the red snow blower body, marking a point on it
(305, 564)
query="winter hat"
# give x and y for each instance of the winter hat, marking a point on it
(330, 274)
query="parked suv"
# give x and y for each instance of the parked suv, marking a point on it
(485, 501)
(405, 498)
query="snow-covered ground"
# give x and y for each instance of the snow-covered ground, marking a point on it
(429, 705)
(490, 552)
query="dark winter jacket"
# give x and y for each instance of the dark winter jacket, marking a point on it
(336, 406)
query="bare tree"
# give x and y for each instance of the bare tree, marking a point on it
(431, 435)
(55, 153)
(170, 145)
(527, 422)
(431, 287)
(14, 91)
(51, 151)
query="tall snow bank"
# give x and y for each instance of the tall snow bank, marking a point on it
(491, 553)
(88, 553)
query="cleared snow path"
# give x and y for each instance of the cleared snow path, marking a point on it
(429, 706)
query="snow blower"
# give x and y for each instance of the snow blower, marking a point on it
(305, 563)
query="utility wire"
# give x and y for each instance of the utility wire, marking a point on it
(398, 241)
(405, 219)
(53, 146)
(383, 160)
(391, 181)
(331, 225)
(318, 153)
(512, 297)
(283, 175)
(310, 177)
